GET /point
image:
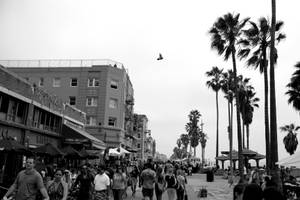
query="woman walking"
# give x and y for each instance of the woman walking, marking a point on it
(160, 183)
(181, 181)
(134, 177)
(57, 188)
(171, 183)
(118, 183)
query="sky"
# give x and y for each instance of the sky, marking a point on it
(134, 32)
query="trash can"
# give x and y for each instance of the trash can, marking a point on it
(210, 176)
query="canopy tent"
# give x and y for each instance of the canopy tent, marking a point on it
(291, 161)
(113, 152)
(70, 152)
(122, 151)
(49, 150)
(11, 145)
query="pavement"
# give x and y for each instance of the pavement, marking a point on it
(219, 189)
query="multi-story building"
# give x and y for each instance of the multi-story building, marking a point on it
(144, 143)
(100, 88)
(33, 118)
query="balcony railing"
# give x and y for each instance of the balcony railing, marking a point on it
(61, 63)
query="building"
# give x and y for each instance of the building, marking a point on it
(33, 117)
(100, 88)
(144, 143)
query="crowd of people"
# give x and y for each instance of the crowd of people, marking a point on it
(258, 186)
(99, 182)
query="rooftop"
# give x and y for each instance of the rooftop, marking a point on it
(61, 63)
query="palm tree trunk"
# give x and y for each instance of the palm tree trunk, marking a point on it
(273, 117)
(243, 130)
(267, 128)
(239, 133)
(195, 152)
(231, 134)
(230, 139)
(217, 134)
(203, 155)
(247, 132)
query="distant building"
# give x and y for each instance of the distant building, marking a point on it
(100, 88)
(144, 143)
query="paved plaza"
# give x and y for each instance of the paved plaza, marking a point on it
(219, 189)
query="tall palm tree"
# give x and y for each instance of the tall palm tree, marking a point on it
(255, 42)
(224, 35)
(294, 89)
(193, 129)
(273, 115)
(290, 140)
(227, 88)
(215, 83)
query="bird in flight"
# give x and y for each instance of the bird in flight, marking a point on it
(160, 57)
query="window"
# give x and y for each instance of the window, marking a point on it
(113, 103)
(56, 82)
(114, 84)
(139, 135)
(93, 82)
(91, 101)
(91, 120)
(138, 145)
(41, 82)
(74, 82)
(26, 78)
(112, 121)
(72, 100)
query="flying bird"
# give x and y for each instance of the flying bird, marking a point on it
(160, 57)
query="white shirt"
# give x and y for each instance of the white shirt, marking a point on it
(101, 182)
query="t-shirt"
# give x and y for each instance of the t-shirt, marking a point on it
(101, 182)
(171, 181)
(148, 178)
(119, 181)
(28, 184)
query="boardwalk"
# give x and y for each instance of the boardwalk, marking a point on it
(217, 190)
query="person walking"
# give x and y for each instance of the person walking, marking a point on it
(134, 177)
(160, 183)
(147, 181)
(85, 181)
(171, 183)
(101, 183)
(57, 188)
(181, 181)
(118, 183)
(27, 184)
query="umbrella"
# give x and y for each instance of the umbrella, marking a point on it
(11, 145)
(113, 152)
(48, 149)
(70, 152)
(245, 152)
(222, 158)
(122, 151)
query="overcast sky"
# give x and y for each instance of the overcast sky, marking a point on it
(134, 32)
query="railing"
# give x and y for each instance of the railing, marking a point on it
(60, 63)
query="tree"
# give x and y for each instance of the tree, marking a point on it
(185, 140)
(179, 143)
(193, 129)
(224, 35)
(203, 140)
(255, 42)
(290, 140)
(228, 88)
(215, 83)
(294, 88)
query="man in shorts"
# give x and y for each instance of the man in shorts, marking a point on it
(27, 184)
(147, 181)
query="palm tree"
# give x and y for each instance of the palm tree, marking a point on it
(215, 84)
(203, 140)
(224, 35)
(294, 89)
(193, 129)
(257, 40)
(227, 88)
(185, 140)
(290, 140)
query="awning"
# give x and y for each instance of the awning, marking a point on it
(81, 135)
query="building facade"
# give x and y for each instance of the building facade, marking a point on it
(33, 117)
(100, 88)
